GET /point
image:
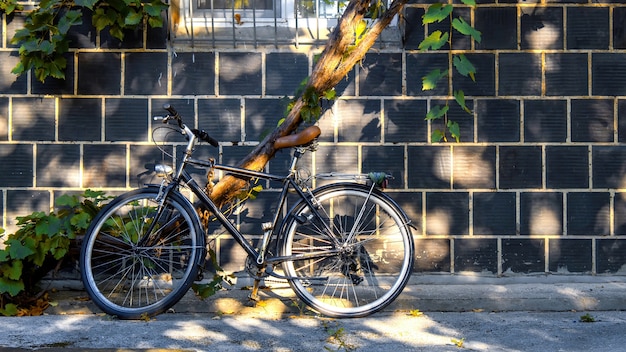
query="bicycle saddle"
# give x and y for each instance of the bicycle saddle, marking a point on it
(305, 136)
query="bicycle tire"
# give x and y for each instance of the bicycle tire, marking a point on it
(345, 278)
(131, 280)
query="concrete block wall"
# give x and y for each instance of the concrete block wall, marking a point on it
(536, 184)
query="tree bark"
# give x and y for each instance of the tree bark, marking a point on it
(333, 65)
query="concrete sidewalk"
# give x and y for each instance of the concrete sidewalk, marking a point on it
(427, 293)
(434, 313)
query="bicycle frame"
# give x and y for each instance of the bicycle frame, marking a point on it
(288, 182)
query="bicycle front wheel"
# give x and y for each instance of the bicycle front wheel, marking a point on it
(139, 257)
(353, 254)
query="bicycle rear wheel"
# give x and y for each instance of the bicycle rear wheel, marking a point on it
(139, 258)
(353, 259)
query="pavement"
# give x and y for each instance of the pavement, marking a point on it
(434, 313)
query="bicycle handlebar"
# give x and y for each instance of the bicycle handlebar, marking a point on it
(200, 134)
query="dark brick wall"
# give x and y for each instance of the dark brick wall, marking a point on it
(536, 184)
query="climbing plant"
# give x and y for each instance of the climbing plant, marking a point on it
(44, 40)
(436, 40)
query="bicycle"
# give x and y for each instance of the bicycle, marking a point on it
(346, 248)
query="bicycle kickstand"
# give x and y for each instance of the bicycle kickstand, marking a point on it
(253, 297)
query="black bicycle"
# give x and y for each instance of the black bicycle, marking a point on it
(346, 248)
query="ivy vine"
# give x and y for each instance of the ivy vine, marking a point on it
(437, 39)
(44, 40)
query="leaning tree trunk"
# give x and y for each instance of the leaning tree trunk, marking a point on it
(332, 67)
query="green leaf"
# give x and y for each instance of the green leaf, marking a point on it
(436, 136)
(430, 80)
(9, 310)
(465, 28)
(17, 250)
(464, 66)
(155, 21)
(454, 129)
(469, 2)
(4, 255)
(436, 13)
(330, 94)
(459, 96)
(434, 41)
(13, 270)
(436, 112)
(12, 287)
(133, 18)
(81, 220)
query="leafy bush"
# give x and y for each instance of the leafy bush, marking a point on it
(40, 245)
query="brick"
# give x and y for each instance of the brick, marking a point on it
(240, 73)
(221, 118)
(498, 120)
(412, 33)
(4, 119)
(474, 167)
(524, 256)
(80, 119)
(347, 86)
(498, 26)
(14, 23)
(429, 167)
(608, 72)
(262, 116)
(339, 159)
(58, 165)
(588, 213)
(418, 66)
(24, 202)
(359, 120)
(567, 167)
(104, 165)
(231, 256)
(285, 72)
(404, 121)
(57, 86)
(142, 161)
(485, 84)
(542, 28)
(447, 213)
(157, 37)
(145, 74)
(619, 28)
(232, 155)
(83, 35)
(570, 256)
(519, 74)
(587, 28)
(411, 203)
(592, 120)
(126, 120)
(619, 221)
(610, 256)
(36, 119)
(621, 119)
(455, 114)
(17, 165)
(477, 255)
(91, 83)
(10, 83)
(559, 79)
(520, 167)
(256, 212)
(494, 213)
(545, 120)
(541, 213)
(381, 74)
(432, 255)
(608, 166)
(388, 159)
(193, 73)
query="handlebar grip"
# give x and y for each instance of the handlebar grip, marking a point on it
(170, 109)
(205, 137)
